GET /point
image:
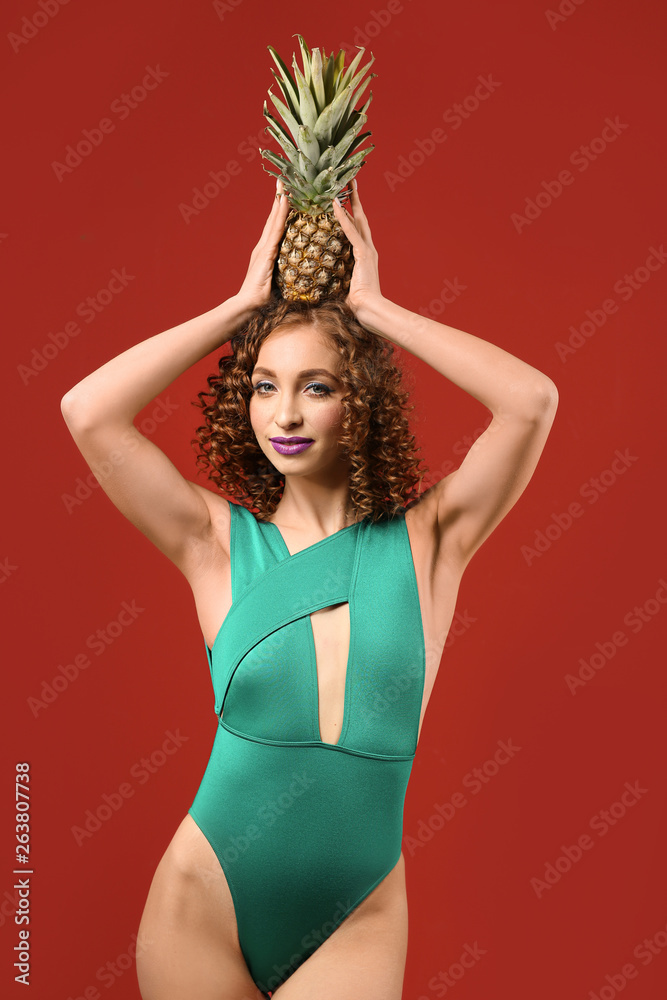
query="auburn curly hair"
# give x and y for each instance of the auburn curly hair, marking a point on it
(385, 476)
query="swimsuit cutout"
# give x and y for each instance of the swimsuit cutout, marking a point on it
(304, 829)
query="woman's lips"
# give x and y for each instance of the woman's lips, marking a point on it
(283, 448)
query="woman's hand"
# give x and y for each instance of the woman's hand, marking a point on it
(364, 288)
(256, 288)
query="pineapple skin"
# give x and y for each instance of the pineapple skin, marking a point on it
(315, 259)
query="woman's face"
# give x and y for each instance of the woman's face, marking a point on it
(296, 394)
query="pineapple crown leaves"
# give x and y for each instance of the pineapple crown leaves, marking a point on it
(319, 131)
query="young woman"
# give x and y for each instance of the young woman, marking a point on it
(324, 616)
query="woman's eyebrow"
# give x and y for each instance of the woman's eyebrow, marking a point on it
(307, 373)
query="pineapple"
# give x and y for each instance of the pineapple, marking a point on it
(319, 138)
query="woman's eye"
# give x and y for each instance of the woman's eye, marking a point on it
(317, 387)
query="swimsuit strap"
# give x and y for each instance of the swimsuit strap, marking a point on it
(278, 593)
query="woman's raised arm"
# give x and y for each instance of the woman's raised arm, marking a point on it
(468, 504)
(137, 476)
(122, 387)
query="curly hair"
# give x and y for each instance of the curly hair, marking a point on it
(385, 476)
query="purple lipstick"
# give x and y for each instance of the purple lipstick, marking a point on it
(290, 445)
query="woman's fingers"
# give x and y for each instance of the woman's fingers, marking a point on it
(263, 256)
(346, 221)
(357, 226)
(356, 200)
(356, 229)
(359, 214)
(275, 223)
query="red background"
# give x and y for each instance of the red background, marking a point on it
(504, 677)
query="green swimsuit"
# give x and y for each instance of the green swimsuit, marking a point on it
(303, 829)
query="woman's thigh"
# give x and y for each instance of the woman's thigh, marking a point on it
(365, 956)
(187, 943)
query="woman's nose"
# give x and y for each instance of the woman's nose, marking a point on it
(287, 411)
